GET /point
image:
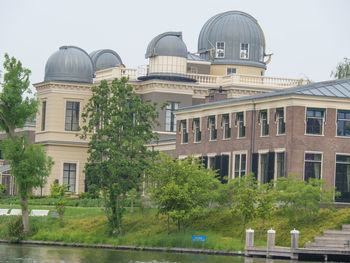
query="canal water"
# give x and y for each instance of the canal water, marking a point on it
(46, 254)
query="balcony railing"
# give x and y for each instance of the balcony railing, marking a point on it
(250, 80)
(117, 72)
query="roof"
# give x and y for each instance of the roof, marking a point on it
(5, 168)
(105, 58)
(329, 89)
(194, 57)
(233, 28)
(167, 44)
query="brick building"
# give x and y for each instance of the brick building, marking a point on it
(303, 130)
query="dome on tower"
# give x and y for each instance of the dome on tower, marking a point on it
(69, 64)
(167, 44)
(232, 38)
(105, 58)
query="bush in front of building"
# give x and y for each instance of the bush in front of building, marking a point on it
(14, 229)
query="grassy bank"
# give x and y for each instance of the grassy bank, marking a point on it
(221, 227)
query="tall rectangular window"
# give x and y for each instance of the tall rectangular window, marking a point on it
(170, 117)
(212, 128)
(264, 163)
(312, 167)
(43, 116)
(183, 130)
(244, 54)
(220, 50)
(240, 164)
(281, 125)
(342, 178)
(343, 123)
(72, 116)
(240, 124)
(280, 156)
(225, 124)
(69, 175)
(197, 130)
(263, 120)
(314, 121)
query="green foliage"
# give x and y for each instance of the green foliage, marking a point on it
(299, 198)
(121, 125)
(342, 70)
(182, 188)
(60, 209)
(3, 189)
(15, 229)
(57, 190)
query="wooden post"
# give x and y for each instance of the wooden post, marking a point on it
(270, 241)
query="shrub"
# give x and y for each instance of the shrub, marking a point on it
(57, 190)
(15, 229)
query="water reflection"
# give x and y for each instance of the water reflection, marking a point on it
(43, 254)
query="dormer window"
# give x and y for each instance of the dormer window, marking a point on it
(220, 50)
(244, 54)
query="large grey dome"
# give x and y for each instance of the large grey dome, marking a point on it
(69, 64)
(105, 58)
(167, 44)
(230, 30)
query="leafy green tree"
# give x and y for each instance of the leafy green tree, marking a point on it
(182, 188)
(299, 198)
(342, 70)
(118, 125)
(29, 164)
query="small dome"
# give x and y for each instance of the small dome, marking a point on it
(69, 64)
(105, 58)
(237, 35)
(167, 44)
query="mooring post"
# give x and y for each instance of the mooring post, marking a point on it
(249, 240)
(270, 241)
(294, 243)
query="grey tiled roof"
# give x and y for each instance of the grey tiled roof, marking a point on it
(4, 168)
(194, 57)
(331, 89)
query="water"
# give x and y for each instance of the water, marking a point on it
(46, 254)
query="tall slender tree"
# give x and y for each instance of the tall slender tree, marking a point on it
(29, 164)
(342, 70)
(119, 125)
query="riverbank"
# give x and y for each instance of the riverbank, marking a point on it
(222, 229)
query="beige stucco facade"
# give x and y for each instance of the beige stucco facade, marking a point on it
(221, 70)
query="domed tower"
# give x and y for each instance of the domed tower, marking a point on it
(104, 59)
(69, 64)
(167, 55)
(234, 43)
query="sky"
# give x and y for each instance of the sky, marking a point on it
(307, 37)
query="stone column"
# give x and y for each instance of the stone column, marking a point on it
(249, 240)
(270, 241)
(294, 243)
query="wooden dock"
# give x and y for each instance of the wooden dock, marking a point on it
(334, 245)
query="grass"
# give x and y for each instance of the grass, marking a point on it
(220, 226)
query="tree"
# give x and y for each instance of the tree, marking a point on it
(29, 164)
(342, 70)
(182, 188)
(298, 198)
(119, 125)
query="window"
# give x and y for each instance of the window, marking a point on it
(212, 162)
(314, 121)
(244, 54)
(225, 124)
(240, 164)
(43, 116)
(183, 130)
(312, 166)
(220, 163)
(266, 167)
(240, 124)
(220, 50)
(230, 71)
(72, 116)
(69, 175)
(170, 117)
(280, 164)
(196, 128)
(343, 123)
(263, 120)
(212, 128)
(342, 178)
(279, 118)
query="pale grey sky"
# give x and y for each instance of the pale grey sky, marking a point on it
(308, 37)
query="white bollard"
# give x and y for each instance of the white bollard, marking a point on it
(294, 242)
(249, 238)
(270, 241)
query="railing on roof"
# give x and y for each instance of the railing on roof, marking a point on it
(117, 72)
(251, 80)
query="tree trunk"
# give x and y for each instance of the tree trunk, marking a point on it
(105, 200)
(178, 225)
(132, 205)
(243, 232)
(25, 218)
(168, 225)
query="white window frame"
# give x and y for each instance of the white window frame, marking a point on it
(220, 52)
(76, 173)
(240, 153)
(282, 150)
(244, 53)
(313, 152)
